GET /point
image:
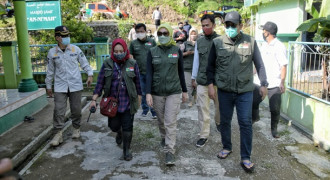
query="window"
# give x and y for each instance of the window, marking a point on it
(101, 6)
(91, 6)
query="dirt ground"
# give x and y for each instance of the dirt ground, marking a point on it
(96, 156)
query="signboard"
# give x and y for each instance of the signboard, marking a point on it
(43, 14)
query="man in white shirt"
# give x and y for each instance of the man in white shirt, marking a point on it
(273, 53)
(157, 16)
(63, 67)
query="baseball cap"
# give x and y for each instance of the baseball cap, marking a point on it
(61, 30)
(233, 17)
(270, 27)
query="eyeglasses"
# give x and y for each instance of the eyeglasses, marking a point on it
(230, 24)
(162, 33)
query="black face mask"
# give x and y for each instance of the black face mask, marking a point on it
(265, 37)
(181, 28)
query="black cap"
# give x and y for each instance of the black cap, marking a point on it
(233, 17)
(270, 27)
(61, 30)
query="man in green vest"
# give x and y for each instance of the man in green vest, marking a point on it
(201, 53)
(230, 68)
(139, 49)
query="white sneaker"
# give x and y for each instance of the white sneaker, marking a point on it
(76, 133)
(57, 140)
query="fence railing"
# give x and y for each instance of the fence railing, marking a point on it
(309, 69)
(95, 53)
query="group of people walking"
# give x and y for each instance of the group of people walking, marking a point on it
(161, 75)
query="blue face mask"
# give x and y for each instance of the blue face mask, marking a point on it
(66, 41)
(120, 56)
(231, 32)
(164, 39)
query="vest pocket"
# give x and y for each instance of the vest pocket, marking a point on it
(244, 55)
(203, 50)
(242, 81)
(222, 80)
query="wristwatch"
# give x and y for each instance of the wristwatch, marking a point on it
(265, 84)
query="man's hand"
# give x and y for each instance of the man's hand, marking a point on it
(193, 83)
(50, 92)
(282, 87)
(149, 100)
(263, 92)
(191, 52)
(184, 97)
(131, 56)
(89, 81)
(211, 92)
(93, 104)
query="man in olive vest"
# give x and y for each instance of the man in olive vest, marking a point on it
(230, 68)
(139, 49)
(202, 49)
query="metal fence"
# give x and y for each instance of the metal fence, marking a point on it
(309, 69)
(94, 52)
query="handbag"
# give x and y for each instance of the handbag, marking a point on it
(109, 105)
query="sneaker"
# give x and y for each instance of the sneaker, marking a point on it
(201, 142)
(154, 115)
(169, 159)
(76, 133)
(57, 140)
(144, 114)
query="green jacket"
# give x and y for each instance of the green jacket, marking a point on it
(188, 60)
(165, 80)
(234, 65)
(139, 49)
(204, 45)
(128, 77)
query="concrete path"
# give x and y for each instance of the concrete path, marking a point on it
(96, 156)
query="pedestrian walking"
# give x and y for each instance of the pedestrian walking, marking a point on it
(132, 33)
(119, 78)
(165, 83)
(157, 16)
(273, 53)
(187, 27)
(138, 49)
(230, 68)
(149, 34)
(180, 35)
(63, 67)
(188, 48)
(201, 53)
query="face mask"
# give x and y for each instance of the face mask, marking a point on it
(120, 56)
(207, 31)
(66, 41)
(265, 37)
(181, 28)
(231, 32)
(141, 35)
(193, 37)
(164, 39)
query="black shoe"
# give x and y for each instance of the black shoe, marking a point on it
(144, 114)
(162, 143)
(127, 139)
(201, 142)
(169, 159)
(119, 138)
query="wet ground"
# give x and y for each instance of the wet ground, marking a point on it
(96, 156)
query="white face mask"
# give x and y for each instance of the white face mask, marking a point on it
(141, 35)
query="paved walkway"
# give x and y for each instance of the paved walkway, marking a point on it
(96, 156)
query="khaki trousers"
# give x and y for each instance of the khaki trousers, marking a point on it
(187, 76)
(203, 106)
(167, 108)
(60, 100)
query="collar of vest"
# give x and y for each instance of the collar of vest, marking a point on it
(228, 40)
(212, 36)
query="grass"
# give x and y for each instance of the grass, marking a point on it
(7, 22)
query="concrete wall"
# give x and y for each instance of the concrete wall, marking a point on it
(288, 15)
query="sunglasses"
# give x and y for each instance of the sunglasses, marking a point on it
(230, 24)
(162, 33)
(64, 36)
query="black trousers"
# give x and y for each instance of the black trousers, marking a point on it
(274, 96)
(121, 120)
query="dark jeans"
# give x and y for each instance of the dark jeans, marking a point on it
(274, 96)
(121, 120)
(243, 103)
(144, 104)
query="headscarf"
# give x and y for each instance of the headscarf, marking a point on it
(123, 43)
(170, 30)
(190, 31)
